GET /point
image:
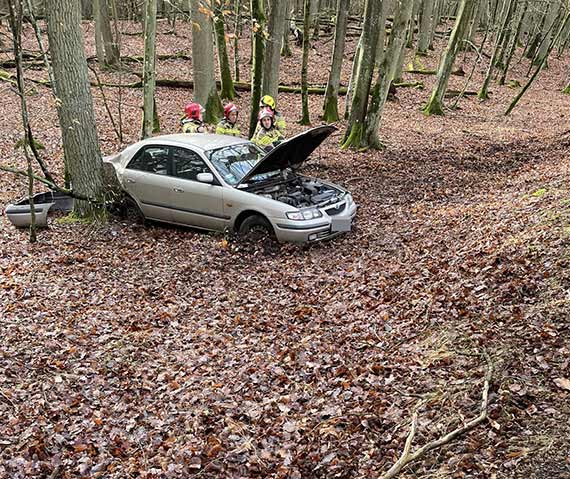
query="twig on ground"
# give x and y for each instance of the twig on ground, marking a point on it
(406, 458)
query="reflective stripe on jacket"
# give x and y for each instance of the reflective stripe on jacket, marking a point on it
(193, 126)
(278, 122)
(265, 137)
(224, 127)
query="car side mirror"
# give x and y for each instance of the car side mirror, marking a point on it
(205, 177)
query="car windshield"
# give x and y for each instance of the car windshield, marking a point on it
(235, 161)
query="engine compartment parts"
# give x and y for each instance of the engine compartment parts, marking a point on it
(301, 192)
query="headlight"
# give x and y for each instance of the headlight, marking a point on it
(304, 214)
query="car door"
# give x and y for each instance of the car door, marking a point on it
(147, 179)
(193, 202)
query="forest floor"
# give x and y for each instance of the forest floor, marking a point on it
(156, 351)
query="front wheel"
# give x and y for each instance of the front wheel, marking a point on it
(256, 228)
(132, 213)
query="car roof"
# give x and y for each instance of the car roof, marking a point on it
(203, 141)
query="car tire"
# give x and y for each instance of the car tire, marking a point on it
(132, 213)
(256, 228)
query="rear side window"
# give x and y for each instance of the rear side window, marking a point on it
(152, 159)
(186, 164)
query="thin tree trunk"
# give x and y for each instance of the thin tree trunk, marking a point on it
(484, 92)
(149, 74)
(435, 102)
(205, 92)
(98, 35)
(237, 33)
(396, 45)
(355, 131)
(227, 91)
(76, 116)
(547, 28)
(513, 44)
(276, 27)
(258, 25)
(305, 120)
(330, 107)
(540, 66)
(111, 50)
(425, 26)
(15, 14)
(352, 79)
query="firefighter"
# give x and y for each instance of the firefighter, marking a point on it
(192, 122)
(227, 125)
(267, 101)
(267, 135)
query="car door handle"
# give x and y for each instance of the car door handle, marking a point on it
(178, 190)
(130, 180)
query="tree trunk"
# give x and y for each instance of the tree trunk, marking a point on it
(228, 91)
(305, 120)
(237, 33)
(111, 50)
(15, 19)
(355, 132)
(330, 106)
(98, 35)
(512, 46)
(86, 9)
(425, 26)
(565, 22)
(484, 92)
(547, 29)
(149, 74)
(76, 117)
(352, 79)
(258, 26)
(396, 45)
(435, 102)
(205, 92)
(276, 28)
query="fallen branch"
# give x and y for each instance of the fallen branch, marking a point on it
(50, 184)
(406, 458)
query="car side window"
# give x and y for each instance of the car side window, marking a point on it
(152, 159)
(186, 164)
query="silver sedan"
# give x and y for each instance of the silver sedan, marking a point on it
(224, 183)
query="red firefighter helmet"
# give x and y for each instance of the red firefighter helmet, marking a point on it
(194, 111)
(266, 113)
(229, 108)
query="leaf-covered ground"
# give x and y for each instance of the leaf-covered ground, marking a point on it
(164, 352)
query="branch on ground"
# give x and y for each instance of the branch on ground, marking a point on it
(406, 458)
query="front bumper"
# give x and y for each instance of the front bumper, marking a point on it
(311, 231)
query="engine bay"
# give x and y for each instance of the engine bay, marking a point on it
(300, 192)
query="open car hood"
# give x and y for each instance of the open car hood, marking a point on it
(291, 152)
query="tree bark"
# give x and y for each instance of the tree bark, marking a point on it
(228, 91)
(512, 46)
(100, 51)
(355, 131)
(330, 107)
(396, 45)
(111, 49)
(149, 74)
(547, 29)
(435, 102)
(305, 120)
(258, 25)
(276, 28)
(508, 6)
(565, 22)
(426, 20)
(76, 116)
(205, 92)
